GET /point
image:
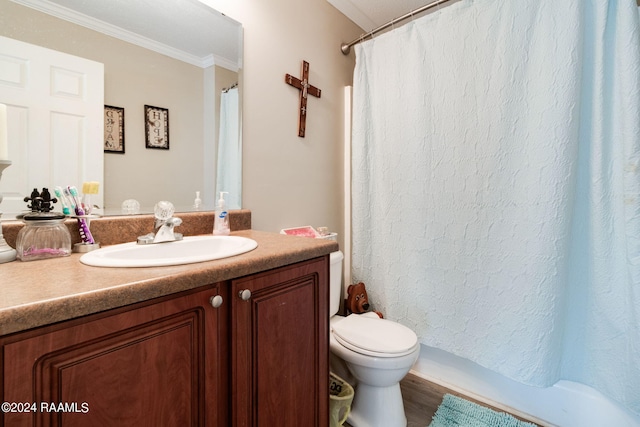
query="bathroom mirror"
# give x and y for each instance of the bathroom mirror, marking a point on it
(178, 55)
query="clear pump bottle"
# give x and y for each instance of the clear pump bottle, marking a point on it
(221, 219)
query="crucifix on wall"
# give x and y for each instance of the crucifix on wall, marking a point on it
(305, 89)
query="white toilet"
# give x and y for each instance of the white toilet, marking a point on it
(377, 352)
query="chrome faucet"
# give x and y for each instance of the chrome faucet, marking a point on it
(166, 233)
(164, 226)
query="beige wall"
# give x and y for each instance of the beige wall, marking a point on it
(290, 181)
(148, 174)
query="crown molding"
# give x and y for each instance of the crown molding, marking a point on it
(125, 35)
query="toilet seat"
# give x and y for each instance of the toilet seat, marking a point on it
(373, 336)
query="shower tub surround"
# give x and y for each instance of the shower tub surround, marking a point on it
(76, 333)
(565, 404)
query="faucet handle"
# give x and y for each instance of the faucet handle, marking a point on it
(163, 210)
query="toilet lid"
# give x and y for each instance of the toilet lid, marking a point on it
(374, 336)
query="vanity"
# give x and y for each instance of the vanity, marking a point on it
(240, 341)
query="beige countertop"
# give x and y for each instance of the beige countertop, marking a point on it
(38, 293)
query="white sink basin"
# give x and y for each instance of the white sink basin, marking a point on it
(186, 251)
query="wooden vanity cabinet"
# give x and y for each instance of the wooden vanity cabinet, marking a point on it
(260, 359)
(161, 363)
(280, 347)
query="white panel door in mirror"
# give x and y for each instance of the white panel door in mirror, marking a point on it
(55, 121)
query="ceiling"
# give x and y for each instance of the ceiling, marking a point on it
(370, 14)
(187, 30)
(155, 21)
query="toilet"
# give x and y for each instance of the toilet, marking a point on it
(378, 354)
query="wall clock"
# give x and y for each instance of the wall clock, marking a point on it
(156, 128)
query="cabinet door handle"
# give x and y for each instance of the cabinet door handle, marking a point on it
(216, 301)
(244, 294)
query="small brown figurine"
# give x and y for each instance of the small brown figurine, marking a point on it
(358, 300)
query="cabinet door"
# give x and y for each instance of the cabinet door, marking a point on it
(279, 347)
(158, 364)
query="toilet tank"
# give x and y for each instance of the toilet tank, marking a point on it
(335, 281)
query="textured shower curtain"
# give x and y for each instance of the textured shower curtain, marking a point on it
(495, 189)
(229, 169)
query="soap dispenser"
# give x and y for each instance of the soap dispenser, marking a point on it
(221, 219)
(197, 203)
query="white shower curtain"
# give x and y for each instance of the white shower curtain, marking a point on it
(229, 169)
(495, 189)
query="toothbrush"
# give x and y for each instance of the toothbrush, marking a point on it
(63, 200)
(67, 194)
(83, 228)
(88, 188)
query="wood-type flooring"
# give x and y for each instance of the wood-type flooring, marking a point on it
(422, 398)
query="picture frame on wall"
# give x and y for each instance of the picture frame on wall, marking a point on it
(156, 127)
(113, 129)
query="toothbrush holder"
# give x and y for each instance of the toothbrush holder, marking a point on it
(83, 227)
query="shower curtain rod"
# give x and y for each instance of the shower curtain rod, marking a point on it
(227, 89)
(346, 47)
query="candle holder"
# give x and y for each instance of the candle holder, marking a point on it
(7, 253)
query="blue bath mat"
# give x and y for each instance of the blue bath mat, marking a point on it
(457, 412)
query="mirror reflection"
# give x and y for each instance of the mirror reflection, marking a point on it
(151, 57)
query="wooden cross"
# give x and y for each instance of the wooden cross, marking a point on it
(305, 88)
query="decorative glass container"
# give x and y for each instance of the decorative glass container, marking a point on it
(43, 236)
